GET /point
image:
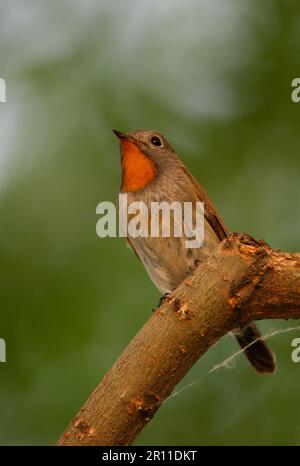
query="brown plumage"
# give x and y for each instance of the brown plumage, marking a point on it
(151, 171)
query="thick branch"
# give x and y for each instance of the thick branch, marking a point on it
(243, 280)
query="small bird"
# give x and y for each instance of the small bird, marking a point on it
(152, 172)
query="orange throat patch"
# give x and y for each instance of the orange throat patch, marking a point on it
(138, 170)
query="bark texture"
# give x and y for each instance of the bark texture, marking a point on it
(243, 280)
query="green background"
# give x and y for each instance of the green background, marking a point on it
(215, 78)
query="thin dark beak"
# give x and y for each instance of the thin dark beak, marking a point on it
(119, 134)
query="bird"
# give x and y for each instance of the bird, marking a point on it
(153, 172)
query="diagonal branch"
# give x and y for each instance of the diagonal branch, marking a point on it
(242, 280)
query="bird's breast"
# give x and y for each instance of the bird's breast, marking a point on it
(137, 169)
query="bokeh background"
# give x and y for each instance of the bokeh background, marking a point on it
(215, 77)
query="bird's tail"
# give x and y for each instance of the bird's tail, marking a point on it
(260, 356)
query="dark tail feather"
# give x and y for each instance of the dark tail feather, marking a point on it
(260, 356)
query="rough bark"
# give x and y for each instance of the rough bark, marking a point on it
(242, 280)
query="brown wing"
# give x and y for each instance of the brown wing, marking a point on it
(210, 212)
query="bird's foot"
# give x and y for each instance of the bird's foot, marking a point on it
(163, 299)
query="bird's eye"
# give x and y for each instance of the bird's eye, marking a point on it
(156, 141)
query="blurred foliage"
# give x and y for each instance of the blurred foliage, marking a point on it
(214, 77)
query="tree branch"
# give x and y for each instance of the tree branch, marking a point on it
(243, 280)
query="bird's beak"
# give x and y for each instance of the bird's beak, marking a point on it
(120, 135)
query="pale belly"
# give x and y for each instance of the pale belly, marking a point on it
(168, 261)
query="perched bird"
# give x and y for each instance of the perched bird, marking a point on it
(151, 171)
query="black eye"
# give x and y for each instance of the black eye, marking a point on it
(156, 141)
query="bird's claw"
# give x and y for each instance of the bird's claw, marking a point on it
(163, 299)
